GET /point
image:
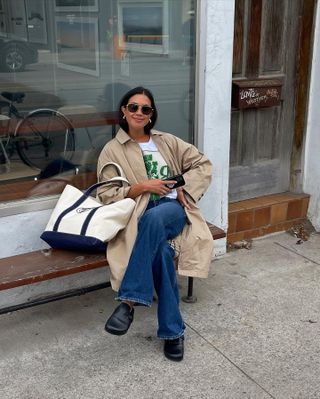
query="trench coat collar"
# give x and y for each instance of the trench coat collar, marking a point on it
(123, 137)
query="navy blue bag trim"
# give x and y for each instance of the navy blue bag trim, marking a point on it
(73, 242)
(87, 221)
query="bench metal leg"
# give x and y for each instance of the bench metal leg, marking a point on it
(189, 298)
(56, 297)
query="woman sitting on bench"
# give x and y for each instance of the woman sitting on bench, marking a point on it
(141, 258)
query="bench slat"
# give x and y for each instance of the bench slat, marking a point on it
(216, 232)
(44, 265)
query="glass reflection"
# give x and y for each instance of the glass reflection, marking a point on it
(70, 61)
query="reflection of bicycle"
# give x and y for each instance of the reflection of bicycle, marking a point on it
(39, 137)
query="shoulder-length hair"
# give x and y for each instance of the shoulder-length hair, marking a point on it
(124, 101)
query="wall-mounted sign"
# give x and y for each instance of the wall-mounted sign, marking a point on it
(256, 93)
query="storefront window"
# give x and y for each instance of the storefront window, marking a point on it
(65, 64)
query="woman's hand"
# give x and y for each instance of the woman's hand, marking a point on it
(155, 186)
(182, 198)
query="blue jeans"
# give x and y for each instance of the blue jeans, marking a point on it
(151, 265)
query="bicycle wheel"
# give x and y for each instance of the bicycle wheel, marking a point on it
(44, 136)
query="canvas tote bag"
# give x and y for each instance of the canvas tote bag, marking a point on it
(81, 222)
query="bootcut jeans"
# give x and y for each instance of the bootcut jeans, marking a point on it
(151, 265)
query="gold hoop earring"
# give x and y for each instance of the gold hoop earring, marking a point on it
(150, 120)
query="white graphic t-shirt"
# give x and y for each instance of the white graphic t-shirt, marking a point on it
(156, 166)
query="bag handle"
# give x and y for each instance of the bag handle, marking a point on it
(117, 166)
(89, 190)
(95, 186)
(121, 178)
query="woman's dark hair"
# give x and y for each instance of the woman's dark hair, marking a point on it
(124, 101)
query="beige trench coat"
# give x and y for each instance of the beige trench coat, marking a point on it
(195, 243)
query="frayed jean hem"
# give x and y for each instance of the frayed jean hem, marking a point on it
(172, 337)
(135, 300)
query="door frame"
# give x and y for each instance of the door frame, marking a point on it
(304, 64)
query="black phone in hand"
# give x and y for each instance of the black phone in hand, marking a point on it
(179, 181)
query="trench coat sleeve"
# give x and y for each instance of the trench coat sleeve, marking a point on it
(111, 192)
(196, 169)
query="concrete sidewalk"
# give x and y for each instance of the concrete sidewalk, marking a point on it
(254, 333)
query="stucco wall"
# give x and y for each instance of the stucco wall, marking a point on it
(21, 233)
(311, 170)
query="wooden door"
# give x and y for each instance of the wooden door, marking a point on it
(266, 46)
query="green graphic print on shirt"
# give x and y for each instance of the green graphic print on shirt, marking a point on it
(155, 170)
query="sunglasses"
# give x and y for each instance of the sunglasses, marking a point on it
(145, 109)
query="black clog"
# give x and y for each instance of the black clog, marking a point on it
(120, 320)
(174, 349)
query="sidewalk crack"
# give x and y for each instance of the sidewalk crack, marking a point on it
(296, 253)
(230, 361)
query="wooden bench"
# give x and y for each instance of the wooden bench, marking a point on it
(43, 265)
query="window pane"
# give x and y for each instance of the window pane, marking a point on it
(64, 66)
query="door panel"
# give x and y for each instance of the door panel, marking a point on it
(268, 128)
(273, 31)
(238, 49)
(265, 47)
